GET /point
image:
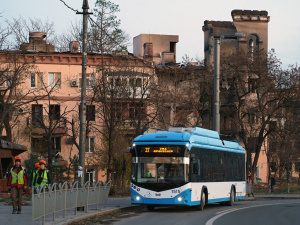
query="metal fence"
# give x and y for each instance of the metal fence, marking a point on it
(60, 197)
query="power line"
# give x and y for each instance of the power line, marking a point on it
(69, 6)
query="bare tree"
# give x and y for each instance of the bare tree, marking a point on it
(74, 33)
(20, 27)
(4, 34)
(184, 96)
(15, 69)
(257, 89)
(54, 122)
(119, 103)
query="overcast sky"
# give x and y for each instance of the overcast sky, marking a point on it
(175, 17)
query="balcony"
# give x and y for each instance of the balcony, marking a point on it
(39, 128)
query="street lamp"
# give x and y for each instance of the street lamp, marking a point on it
(216, 117)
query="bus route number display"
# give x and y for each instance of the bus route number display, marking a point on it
(162, 150)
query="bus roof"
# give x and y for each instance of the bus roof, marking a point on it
(196, 136)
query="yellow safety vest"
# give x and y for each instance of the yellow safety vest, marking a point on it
(33, 177)
(44, 181)
(17, 176)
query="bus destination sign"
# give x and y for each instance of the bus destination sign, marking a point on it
(158, 150)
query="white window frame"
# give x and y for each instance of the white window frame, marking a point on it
(37, 76)
(35, 80)
(90, 145)
(51, 83)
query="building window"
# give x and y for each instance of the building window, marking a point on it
(90, 145)
(272, 126)
(253, 43)
(54, 112)
(33, 80)
(172, 46)
(37, 115)
(56, 144)
(135, 82)
(38, 144)
(90, 80)
(36, 80)
(252, 85)
(54, 80)
(90, 113)
(252, 144)
(90, 175)
(135, 110)
(257, 171)
(252, 118)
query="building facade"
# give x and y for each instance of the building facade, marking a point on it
(247, 33)
(47, 121)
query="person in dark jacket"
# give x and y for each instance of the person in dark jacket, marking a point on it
(17, 182)
(272, 184)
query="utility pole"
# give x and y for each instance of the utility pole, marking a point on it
(82, 108)
(216, 117)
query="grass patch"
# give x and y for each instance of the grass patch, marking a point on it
(5, 199)
(280, 188)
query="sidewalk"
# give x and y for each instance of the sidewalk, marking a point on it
(6, 216)
(277, 196)
(112, 204)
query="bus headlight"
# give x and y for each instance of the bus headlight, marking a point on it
(138, 198)
(179, 199)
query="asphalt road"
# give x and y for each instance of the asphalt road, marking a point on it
(268, 212)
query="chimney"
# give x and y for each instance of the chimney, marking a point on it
(37, 43)
(37, 36)
(74, 47)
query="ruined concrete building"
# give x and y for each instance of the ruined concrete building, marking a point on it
(158, 48)
(252, 24)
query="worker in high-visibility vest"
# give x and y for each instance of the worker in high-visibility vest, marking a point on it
(43, 177)
(17, 182)
(250, 184)
(33, 174)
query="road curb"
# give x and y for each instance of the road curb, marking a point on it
(102, 213)
(260, 197)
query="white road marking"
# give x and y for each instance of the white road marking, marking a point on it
(224, 212)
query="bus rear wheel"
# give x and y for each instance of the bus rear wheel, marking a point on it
(232, 198)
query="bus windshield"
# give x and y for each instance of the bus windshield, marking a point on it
(160, 167)
(160, 170)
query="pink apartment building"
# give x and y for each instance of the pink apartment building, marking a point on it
(60, 72)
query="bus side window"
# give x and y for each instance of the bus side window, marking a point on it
(195, 170)
(196, 167)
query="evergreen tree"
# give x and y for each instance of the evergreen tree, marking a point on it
(105, 34)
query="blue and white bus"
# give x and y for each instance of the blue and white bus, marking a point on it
(186, 167)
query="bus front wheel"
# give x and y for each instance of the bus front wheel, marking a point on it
(202, 204)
